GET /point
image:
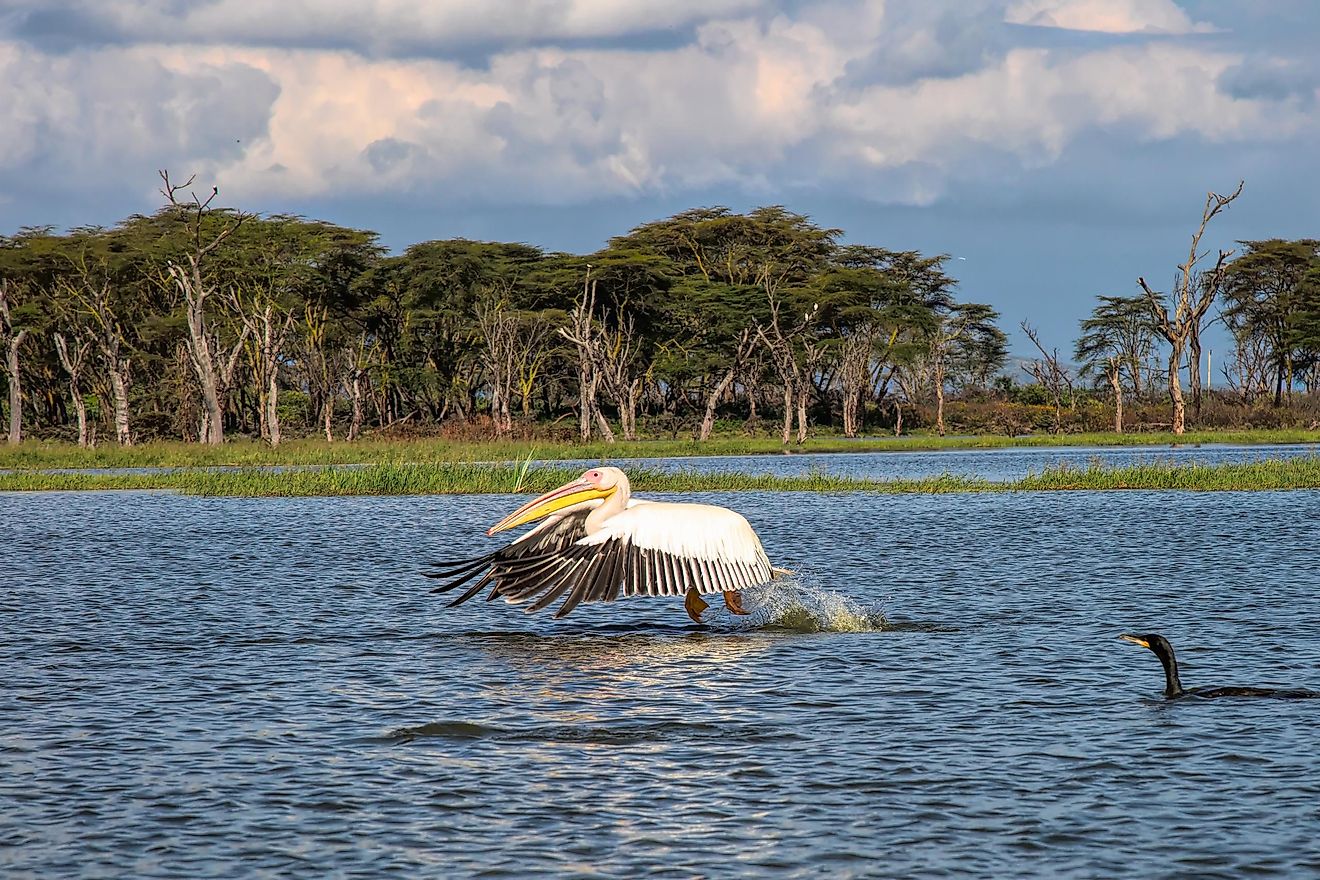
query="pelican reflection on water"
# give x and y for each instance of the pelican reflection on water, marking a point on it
(597, 543)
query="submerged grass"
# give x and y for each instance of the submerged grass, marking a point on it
(35, 455)
(448, 478)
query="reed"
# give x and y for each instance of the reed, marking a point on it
(448, 478)
(44, 455)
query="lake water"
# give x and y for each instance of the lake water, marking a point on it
(1004, 464)
(197, 687)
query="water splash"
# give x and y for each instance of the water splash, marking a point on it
(793, 603)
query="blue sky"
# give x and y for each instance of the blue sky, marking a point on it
(1060, 147)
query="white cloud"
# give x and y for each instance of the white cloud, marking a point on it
(375, 26)
(751, 101)
(85, 115)
(1106, 16)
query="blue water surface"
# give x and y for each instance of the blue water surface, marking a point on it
(265, 688)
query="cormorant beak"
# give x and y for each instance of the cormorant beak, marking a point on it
(566, 495)
(1136, 640)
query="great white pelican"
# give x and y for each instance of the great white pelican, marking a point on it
(598, 544)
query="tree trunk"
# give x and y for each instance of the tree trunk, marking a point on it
(802, 415)
(788, 412)
(939, 399)
(73, 366)
(1194, 374)
(1118, 397)
(584, 404)
(120, 370)
(712, 401)
(603, 425)
(273, 409)
(628, 412)
(898, 419)
(1176, 394)
(355, 423)
(15, 389)
(80, 409)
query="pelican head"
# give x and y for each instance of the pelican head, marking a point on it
(587, 491)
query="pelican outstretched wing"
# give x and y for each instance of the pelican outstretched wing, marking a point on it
(649, 549)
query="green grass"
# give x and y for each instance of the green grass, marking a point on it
(40, 455)
(468, 478)
(1302, 472)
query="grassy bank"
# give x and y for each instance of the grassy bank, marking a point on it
(36, 455)
(459, 478)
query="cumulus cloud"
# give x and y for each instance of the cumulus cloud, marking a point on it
(82, 117)
(1106, 16)
(375, 27)
(890, 100)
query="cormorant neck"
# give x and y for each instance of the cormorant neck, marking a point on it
(1172, 684)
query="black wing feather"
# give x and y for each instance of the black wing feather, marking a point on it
(550, 563)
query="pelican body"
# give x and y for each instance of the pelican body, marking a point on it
(596, 543)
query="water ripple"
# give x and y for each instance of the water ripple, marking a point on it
(256, 687)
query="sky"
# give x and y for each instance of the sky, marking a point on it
(1054, 149)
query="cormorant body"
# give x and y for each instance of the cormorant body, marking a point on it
(1173, 689)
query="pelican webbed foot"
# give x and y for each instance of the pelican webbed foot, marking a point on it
(694, 605)
(733, 602)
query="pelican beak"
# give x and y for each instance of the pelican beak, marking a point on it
(1136, 640)
(566, 495)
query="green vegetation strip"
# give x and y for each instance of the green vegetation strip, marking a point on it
(451, 478)
(36, 455)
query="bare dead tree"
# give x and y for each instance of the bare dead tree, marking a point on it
(1051, 374)
(359, 362)
(317, 364)
(616, 355)
(793, 357)
(100, 325)
(267, 326)
(214, 367)
(855, 356)
(13, 338)
(499, 329)
(1248, 370)
(581, 331)
(73, 362)
(1179, 320)
(533, 355)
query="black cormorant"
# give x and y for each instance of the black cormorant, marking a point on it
(1173, 688)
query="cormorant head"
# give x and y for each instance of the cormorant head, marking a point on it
(1154, 641)
(1160, 646)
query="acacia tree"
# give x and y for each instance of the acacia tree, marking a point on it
(1116, 341)
(952, 331)
(1179, 320)
(1267, 292)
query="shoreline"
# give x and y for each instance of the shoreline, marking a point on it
(449, 478)
(32, 456)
